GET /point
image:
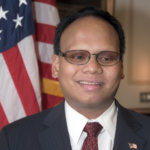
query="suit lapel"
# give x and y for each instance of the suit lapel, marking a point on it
(54, 133)
(127, 131)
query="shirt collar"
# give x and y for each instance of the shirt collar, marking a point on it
(108, 120)
(76, 121)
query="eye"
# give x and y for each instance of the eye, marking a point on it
(79, 56)
(107, 59)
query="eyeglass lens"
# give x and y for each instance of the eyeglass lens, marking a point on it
(80, 57)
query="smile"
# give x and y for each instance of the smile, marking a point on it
(91, 86)
(91, 83)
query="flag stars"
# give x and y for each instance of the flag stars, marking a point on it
(3, 13)
(22, 2)
(18, 21)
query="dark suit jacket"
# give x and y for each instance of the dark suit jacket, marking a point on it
(48, 131)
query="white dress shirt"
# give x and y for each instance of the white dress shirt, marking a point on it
(76, 123)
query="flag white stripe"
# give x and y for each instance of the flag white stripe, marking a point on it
(8, 94)
(45, 52)
(27, 50)
(46, 14)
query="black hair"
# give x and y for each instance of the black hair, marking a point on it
(89, 11)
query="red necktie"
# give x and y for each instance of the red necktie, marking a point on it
(92, 130)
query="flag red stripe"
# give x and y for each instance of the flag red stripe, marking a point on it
(45, 70)
(3, 118)
(50, 101)
(21, 80)
(51, 2)
(45, 33)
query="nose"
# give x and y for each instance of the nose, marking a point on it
(92, 66)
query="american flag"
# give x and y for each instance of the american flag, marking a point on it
(132, 146)
(46, 18)
(27, 31)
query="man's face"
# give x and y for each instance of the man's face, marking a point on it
(88, 86)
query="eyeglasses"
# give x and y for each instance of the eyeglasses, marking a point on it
(81, 57)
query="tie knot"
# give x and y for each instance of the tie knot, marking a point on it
(93, 129)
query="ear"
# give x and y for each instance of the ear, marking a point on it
(122, 70)
(55, 66)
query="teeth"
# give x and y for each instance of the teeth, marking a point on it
(90, 83)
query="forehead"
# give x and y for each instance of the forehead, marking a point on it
(88, 28)
(88, 21)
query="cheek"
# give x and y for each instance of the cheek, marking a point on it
(113, 75)
(66, 72)
(66, 78)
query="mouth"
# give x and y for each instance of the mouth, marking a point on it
(91, 85)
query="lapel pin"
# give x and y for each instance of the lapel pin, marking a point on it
(132, 146)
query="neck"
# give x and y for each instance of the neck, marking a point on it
(91, 112)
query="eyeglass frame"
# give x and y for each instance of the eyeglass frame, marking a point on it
(63, 54)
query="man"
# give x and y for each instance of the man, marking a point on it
(88, 61)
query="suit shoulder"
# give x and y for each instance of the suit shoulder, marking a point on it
(32, 122)
(27, 122)
(143, 119)
(29, 129)
(132, 117)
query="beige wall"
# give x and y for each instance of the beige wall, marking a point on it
(134, 15)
